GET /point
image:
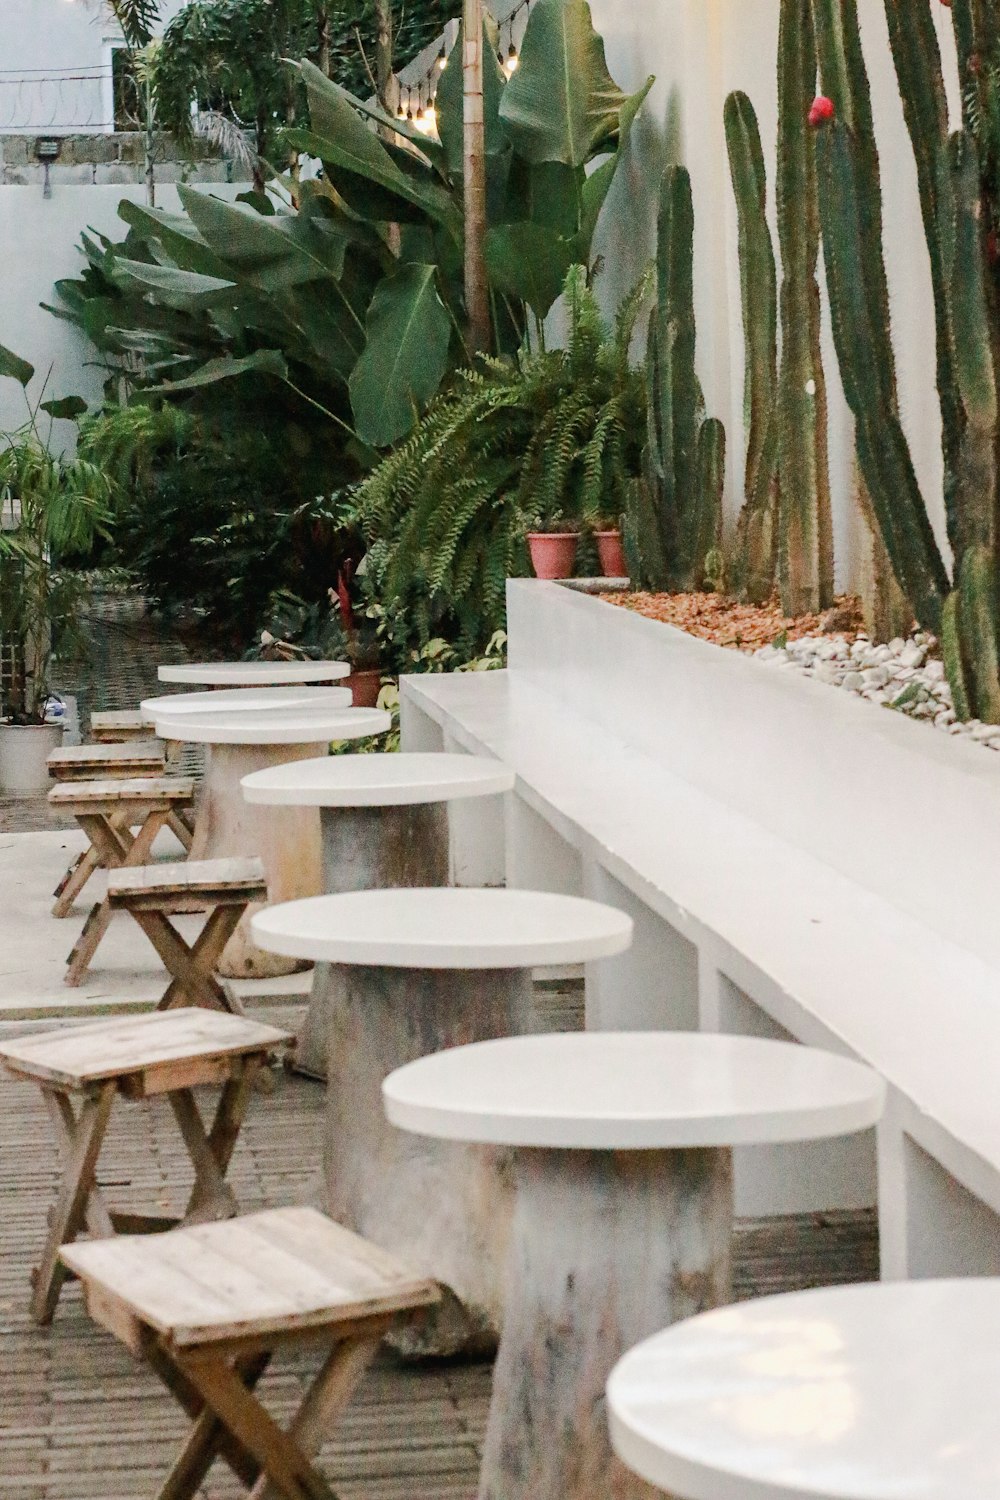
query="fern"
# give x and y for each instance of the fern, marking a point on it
(550, 435)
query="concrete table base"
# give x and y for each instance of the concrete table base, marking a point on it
(607, 1248)
(445, 1207)
(285, 838)
(370, 848)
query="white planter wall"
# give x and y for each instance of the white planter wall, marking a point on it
(699, 51)
(39, 245)
(798, 863)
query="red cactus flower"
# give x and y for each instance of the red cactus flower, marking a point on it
(822, 110)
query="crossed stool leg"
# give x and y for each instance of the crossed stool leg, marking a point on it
(107, 811)
(209, 1307)
(223, 887)
(82, 1070)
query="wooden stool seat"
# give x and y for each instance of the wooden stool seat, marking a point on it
(209, 1306)
(85, 762)
(81, 1070)
(120, 726)
(108, 811)
(223, 887)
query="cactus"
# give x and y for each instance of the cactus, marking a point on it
(675, 518)
(785, 526)
(756, 557)
(806, 529)
(967, 611)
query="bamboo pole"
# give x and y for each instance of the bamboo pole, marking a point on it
(477, 302)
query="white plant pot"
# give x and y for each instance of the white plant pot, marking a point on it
(24, 750)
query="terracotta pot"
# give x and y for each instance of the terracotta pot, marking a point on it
(553, 553)
(611, 553)
(365, 687)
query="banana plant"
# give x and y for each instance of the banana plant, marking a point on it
(349, 289)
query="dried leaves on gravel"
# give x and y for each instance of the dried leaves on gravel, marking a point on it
(740, 627)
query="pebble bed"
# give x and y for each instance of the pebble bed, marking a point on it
(907, 676)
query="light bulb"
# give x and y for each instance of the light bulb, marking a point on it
(512, 59)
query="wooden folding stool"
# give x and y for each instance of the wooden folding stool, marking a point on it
(107, 811)
(119, 726)
(223, 887)
(81, 1070)
(123, 806)
(209, 1307)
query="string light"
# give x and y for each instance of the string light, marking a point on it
(425, 118)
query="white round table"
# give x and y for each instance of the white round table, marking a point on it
(623, 1154)
(287, 840)
(253, 673)
(383, 822)
(886, 1391)
(246, 699)
(421, 970)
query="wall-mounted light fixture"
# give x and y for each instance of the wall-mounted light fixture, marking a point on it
(47, 149)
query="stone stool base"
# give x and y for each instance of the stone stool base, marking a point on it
(364, 849)
(285, 838)
(445, 1206)
(607, 1248)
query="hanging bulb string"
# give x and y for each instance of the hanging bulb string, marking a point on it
(508, 60)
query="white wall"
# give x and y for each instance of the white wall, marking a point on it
(699, 51)
(39, 240)
(55, 63)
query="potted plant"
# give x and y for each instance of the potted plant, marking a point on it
(552, 544)
(610, 551)
(49, 508)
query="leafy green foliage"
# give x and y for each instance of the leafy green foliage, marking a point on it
(51, 508)
(209, 514)
(543, 436)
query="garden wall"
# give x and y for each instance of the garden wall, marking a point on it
(38, 243)
(699, 51)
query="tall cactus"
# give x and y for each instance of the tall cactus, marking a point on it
(756, 551)
(787, 506)
(676, 518)
(967, 612)
(806, 530)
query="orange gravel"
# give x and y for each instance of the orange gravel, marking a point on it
(740, 627)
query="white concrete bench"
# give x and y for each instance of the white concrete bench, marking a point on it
(741, 929)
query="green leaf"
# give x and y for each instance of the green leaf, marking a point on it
(263, 362)
(177, 287)
(340, 137)
(67, 407)
(598, 183)
(11, 364)
(530, 262)
(562, 103)
(449, 103)
(271, 251)
(405, 357)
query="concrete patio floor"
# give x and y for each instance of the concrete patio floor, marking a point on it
(126, 973)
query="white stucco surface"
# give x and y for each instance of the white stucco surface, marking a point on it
(699, 51)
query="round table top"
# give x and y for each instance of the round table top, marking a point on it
(253, 673)
(443, 928)
(233, 700)
(629, 1090)
(378, 780)
(886, 1391)
(273, 726)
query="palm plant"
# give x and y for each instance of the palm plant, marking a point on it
(50, 508)
(547, 434)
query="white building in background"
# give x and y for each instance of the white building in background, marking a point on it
(61, 68)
